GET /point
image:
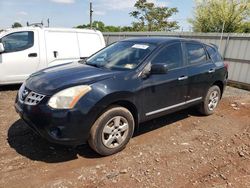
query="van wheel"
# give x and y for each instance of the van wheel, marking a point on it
(112, 131)
(211, 101)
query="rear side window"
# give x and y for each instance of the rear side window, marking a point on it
(195, 53)
(213, 54)
(171, 55)
(18, 41)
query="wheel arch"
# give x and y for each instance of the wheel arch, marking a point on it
(220, 85)
(131, 107)
(123, 99)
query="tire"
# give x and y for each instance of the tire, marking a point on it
(112, 131)
(211, 101)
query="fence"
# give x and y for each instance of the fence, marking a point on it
(235, 49)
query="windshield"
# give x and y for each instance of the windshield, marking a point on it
(121, 55)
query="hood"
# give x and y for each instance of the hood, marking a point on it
(51, 80)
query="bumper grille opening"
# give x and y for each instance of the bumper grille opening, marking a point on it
(55, 132)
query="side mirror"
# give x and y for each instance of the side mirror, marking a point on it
(1, 48)
(159, 68)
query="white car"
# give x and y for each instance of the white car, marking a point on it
(26, 50)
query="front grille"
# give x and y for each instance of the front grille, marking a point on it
(29, 97)
(33, 98)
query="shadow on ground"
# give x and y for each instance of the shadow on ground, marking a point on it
(14, 87)
(32, 146)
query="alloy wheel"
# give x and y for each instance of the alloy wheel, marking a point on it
(115, 132)
(213, 100)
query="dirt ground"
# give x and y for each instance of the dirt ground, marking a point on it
(183, 149)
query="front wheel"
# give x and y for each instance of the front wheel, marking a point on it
(211, 101)
(112, 131)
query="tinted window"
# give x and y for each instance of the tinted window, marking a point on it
(214, 54)
(171, 55)
(196, 53)
(18, 41)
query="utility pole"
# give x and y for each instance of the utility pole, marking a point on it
(91, 14)
(221, 37)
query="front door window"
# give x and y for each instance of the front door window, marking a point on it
(18, 41)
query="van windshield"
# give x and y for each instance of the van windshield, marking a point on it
(121, 55)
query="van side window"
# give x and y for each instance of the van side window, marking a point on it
(18, 41)
(195, 53)
(171, 55)
(214, 54)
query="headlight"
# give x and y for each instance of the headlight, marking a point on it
(67, 98)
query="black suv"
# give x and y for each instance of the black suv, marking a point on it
(103, 99)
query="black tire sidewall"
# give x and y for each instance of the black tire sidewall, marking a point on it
(99, 126)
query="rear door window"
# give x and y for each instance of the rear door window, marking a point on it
(170, 55)
(18, 41)
(196, 54)
(214, 54)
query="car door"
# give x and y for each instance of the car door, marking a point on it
(20, 57)
(201, 70)
(166, 92)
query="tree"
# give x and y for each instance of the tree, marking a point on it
(127, 28)
(96, 24)
(16, 24)
(103, 28)
(245, 27)
(152, 18)
(211, 15)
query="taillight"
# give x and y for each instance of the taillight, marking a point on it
(226, 65)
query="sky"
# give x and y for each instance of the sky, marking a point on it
(70, 13)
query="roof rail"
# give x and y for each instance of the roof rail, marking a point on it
(214, 45)
(35, 24)
(93, 28)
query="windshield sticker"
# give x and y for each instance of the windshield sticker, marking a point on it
(100, 59)
(129, 66)
(140, 46)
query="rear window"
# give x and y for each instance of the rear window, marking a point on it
(213, 54)
(196, 53)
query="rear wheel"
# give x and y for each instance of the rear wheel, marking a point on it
(112, 131)
(211, 101)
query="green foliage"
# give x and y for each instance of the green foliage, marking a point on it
(103, 28)
(211, 15)
(152, 18)
(16, 24)
(245, 28)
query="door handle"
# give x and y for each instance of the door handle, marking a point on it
(55, 54)
(32, 55)
(183, 78)
(211, 71)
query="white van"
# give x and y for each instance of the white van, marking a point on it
(29, 49)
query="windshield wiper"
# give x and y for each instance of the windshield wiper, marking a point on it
(84, 61)
(93, 65)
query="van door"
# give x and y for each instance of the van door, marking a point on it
(20, 58)
(61, 47)
(89, 43)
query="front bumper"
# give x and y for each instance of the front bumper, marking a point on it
(67, 127)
